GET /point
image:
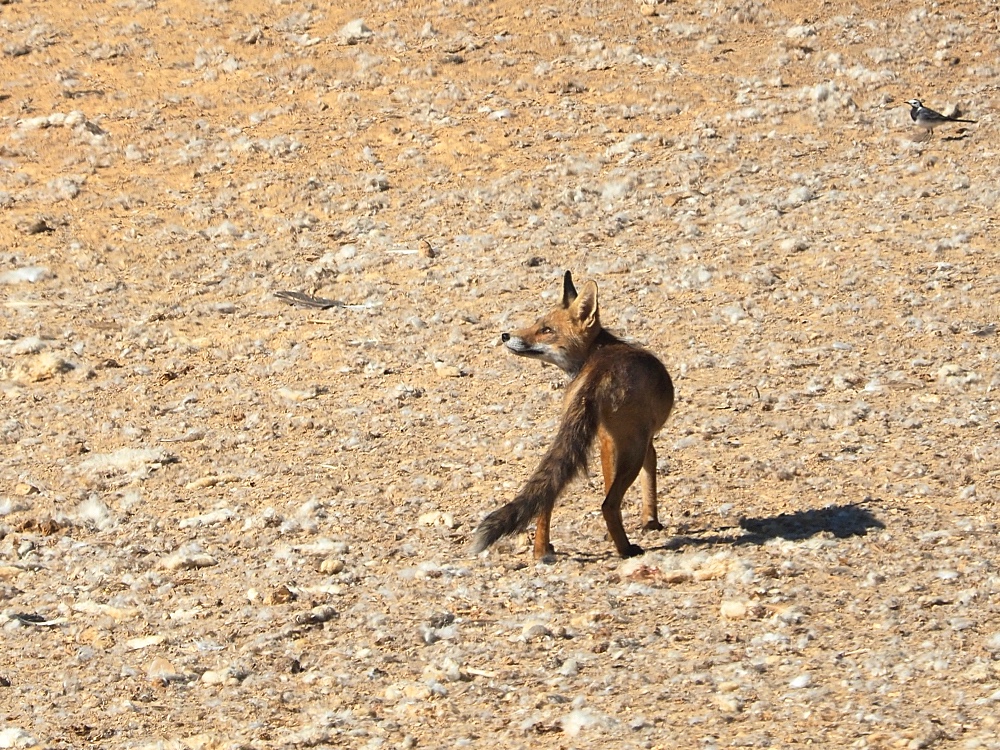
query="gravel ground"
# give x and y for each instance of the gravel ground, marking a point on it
(231, 522)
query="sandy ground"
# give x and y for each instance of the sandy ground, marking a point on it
(227, 521)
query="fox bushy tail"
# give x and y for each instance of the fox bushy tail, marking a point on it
(564, 459)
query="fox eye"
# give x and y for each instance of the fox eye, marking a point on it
(544, 330)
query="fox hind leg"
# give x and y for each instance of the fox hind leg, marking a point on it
(627, 464)
(650, 519)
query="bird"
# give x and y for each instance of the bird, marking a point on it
(926, 118)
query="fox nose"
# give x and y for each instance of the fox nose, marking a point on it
(505, 337)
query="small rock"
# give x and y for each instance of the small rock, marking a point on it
(448, 671)
(802, 681)
(35, 226)
(570, 668)
(355, 31)
(181, 560)
(992, 643)
(215, 676)
(733, 610)
(281, 595)
(161, 672)
(45, 366)
(737, 610)
(298, 395)
(677, 576)
(447, 371)
(441, 619)
(135, 644)
(579, 719)
(26, 345)
(331, 566)
(728, 703)
(438, 518)
(800, 32)
(29, 274)
(798, 196)
(206, 519)
(532, 631)
(16, 737)
(316, 615)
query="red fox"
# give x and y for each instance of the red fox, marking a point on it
(618, 393)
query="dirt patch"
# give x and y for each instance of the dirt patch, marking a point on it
(231, 520)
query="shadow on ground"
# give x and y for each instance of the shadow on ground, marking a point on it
(842, 521)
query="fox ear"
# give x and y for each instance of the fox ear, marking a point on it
(585, 305)
(569, 291)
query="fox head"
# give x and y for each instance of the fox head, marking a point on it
(564, 336)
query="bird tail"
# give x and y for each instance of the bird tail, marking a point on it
(564, 459)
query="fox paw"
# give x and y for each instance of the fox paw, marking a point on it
(652, 525)
(633, 550)
(547, 557)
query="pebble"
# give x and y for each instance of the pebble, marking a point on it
(728, 703)
(161, 672)
(355, 31)
(297, 395)
(799, 195)
(407, 690)
(182, 560)
(534, 631)
(448, 670)
(738, 610)
(39, 368)
(331, 566)
(580, 719)
(800, 32)
(437, 518)
(802, 681)
(570, 668)
(677, 576)
(220, 515)
(281, 595)
(136, 644)
(447, 371)
(216, 677)
(26, 275)
(15, 737)
(316, 615)
(136, 462)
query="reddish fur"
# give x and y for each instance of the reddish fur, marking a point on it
(620, 394)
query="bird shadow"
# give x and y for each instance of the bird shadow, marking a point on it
(842, 521)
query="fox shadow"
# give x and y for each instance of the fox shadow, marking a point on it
(843, 521)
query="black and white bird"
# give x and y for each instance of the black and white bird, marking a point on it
(926, 118)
